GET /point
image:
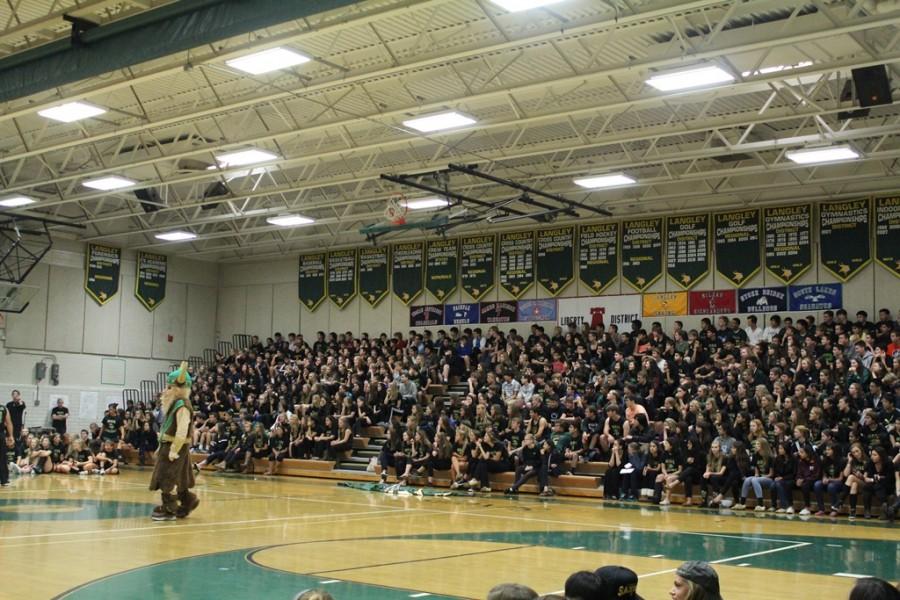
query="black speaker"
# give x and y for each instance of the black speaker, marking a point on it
(54, 373)
(214, 190)
(873, 87)
(150, 200)
(40, 371)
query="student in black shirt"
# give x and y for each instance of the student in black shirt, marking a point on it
(278, 449)
(58, 416)
(112, 426)
(16, 411)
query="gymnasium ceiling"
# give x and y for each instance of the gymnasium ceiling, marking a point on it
(557, 92)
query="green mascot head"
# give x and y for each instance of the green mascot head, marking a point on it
(180, 377)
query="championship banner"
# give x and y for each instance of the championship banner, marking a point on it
(477, 266)
(598, 255)
(828, 296)
(150, 283)
(408, 261)
(426, 316)
(537, 310)
(461, 314)
(788, 241)
(516, 262)
(101, 272)
(717, 302)
(887, 233)
(642, 252)
(341, 276)
(441, 267)
(667, 304)
(844, 245)
(599, 311)
(373, 274)
(737, 245)
(311, 281)
(555, 258)
(762, 300)
(498, 312)
(687, 249)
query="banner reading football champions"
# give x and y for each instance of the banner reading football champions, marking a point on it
(687, 249)
(341, 276)
(642, 252)
(887, 233)
(150, 284)
(737, 245)
(311, 280)
(598, 255)
(516, 262)
(101, 272)
(407, 270)
(373, 274)
(555, 258)
(844, 244)
(788, 241)
(477, 265)
(441, 267)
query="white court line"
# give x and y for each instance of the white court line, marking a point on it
(744, 565)
(419, 595)
(327, 581)
(657, 555)
(853, 575)
(578, 548)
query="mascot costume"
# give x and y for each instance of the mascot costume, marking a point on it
(173, 470)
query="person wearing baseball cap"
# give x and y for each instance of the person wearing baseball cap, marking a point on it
(617, 583)
(695, 580)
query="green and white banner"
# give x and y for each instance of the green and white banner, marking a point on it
(441, 267)
(311, 280)
(555, 258)
(687, 249)
(844, 244)
(408, 270)
(887, 233)
(373, 274)
(150, 281)
(642, 249)
(101, 272)
(341, 276)
(737, 245)
(517, 262)
(788, 240)
(598, 255)
(477, 264)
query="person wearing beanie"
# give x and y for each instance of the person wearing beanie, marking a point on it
(695, 580)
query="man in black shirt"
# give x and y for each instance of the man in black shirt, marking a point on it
(112, 425)
(6, 434)
(58, 415)
(16, 409)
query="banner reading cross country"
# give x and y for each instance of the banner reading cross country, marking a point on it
(555, 258)
(441, 267)
(477, 265)
(373, 274)
(737, 245)
(150, 281)
(101, 272)
(407, 270)
(788, 241)
(844, 245)
(642, 252)
(341, 276)
(311, 280)
(687, 249)
(598, 255)
(887, 233)
(517, 262)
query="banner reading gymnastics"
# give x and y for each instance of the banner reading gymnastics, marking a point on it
(737, 245)
(788, 241)
(844, 244)
(598, 255)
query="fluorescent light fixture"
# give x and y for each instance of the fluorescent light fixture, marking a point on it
(690, 78)
(266, 61)
(105, 184)
(520, 5)
(425, 203)
(176, 236)
(245, 157)
(604, 181)
(71, 111)
(439, 122)
(810, 156)
(15, 201)
(290, 220)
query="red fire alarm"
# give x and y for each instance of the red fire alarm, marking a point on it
(171, 338)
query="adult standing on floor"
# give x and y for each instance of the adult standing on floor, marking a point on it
(59, 415)
(16, 408)
(6, 434)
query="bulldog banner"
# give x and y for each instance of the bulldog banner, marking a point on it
(762, 300)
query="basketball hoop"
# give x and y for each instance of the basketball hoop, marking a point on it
(395, 212)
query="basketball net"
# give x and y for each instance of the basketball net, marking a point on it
(395, 212)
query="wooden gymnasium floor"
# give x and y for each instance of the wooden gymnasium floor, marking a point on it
(65, 537)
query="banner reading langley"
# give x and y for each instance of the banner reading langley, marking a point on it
(150, 283)
(887, 233)
(441, 267)
(641, 252)
(477, 265)
(788, 239)
(844, 245)
(407, 276)
(101, 272)
(516, 262)
(311, 280)
(373, 274)
(737, 245)
(687, 249)
(555, 258)
(341, 276)
(598, 255)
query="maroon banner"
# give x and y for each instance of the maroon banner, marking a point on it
(499, 312)
(426, 315)
(715, 302)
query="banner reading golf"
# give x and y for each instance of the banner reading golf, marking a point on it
(407, 270)
(844, 245)
(687, 249)
(887, 233)
(341, 276)
(555, 258)
(150, 284)
(516, 262)
(737, 245)
(441, 267)
(101, 272)
(641, 252)
(477, 264)
(788, 238)
(373, 274)
(598, 255)
(311, 280)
